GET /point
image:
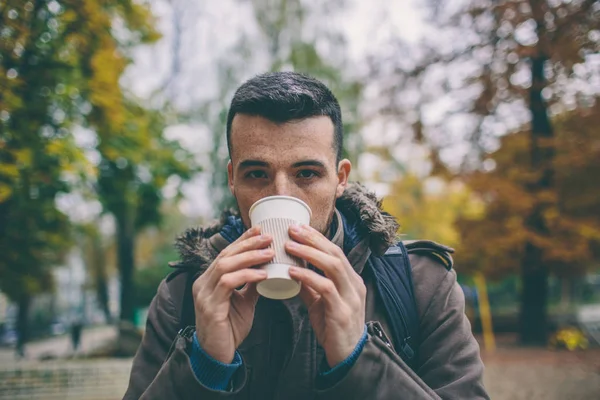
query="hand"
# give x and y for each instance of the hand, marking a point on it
(336, 301)
(224, 315)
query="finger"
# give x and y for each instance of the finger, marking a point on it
(229, 282)
(333, 267)
(309, 236)
(253, 231)
(247, 259)
(249, 293)
(308, 295)
(323, 286)
(244, 243)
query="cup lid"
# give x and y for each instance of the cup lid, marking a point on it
(269, 198)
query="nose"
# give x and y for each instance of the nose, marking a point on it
(282, 185)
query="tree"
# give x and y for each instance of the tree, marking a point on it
(493, 241)
(137, 162)
(59, 69)
(497, 66)
(95, 258)
(39, 103)
(154, 251)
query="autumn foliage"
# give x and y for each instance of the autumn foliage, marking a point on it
(494, 243)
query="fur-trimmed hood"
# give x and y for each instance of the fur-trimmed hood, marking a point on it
(361, 214)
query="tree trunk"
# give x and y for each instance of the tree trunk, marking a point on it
(534, 274)
(125, 262)
(533, 321)
(23, 323)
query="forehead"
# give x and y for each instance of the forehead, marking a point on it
(255, 137)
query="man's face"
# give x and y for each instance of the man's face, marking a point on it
(295, 159)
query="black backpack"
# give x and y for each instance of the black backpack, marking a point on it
(393, 279)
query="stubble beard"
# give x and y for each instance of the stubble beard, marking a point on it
(325, 231)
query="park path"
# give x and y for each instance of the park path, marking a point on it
(61, 376)
(512, 373)
(60, 346)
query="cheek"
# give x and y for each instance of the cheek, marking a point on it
(244, 199)
(322, 208)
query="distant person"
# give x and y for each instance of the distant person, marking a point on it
(20, 348)
(375, 319)
(76, 330)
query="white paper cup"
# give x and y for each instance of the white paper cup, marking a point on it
(275, 214)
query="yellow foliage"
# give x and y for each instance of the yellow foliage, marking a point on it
(9, 170)
(71, 157)
(23, 157)
(5, 192)
(569, 338)
(431, 215)
(107, 67)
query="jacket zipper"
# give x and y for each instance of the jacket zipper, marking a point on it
(405, 347)
(185, 333)
(378, 331)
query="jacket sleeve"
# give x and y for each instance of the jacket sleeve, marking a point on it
(161, 367)
(450, 365)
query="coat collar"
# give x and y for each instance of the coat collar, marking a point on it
(361, 227)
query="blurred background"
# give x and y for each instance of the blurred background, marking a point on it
(478, 120)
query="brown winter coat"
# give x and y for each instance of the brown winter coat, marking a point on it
(281, 357)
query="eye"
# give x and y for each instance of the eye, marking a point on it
(307, 174)
(257, 174)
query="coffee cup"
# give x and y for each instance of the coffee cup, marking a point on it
(275, 214)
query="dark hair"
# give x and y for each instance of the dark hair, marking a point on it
(285, 96)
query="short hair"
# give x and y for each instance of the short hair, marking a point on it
(286, 96)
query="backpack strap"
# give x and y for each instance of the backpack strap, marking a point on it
(393, 279)
(431, 249)
(180, 286)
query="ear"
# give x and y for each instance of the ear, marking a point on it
(344, 168)
(230, 177)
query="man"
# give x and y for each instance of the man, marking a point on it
(284, 133)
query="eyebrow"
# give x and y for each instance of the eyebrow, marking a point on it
(305, 163)
(309, 163)
(252, 163)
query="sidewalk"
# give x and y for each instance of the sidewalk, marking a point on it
(60, 346)
(512, 373)
(61, 378)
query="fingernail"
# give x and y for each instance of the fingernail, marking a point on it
(292, 244)
(267, 252)
(295, 228)
(294, 269)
